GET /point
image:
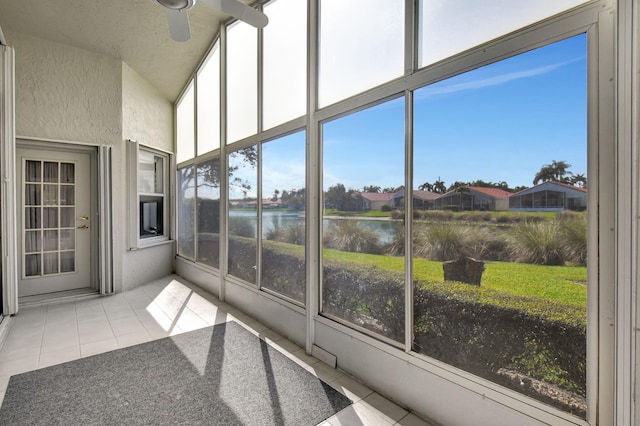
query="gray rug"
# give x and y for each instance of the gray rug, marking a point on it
(221, 375)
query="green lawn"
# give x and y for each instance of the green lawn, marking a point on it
(565, 284)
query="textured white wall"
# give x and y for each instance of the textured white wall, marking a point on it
(68, 94)
(147, 117)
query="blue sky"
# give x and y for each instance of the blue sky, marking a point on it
(502, 122)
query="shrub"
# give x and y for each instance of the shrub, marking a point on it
(241, 226)
(349, 235)
(573, 234)
(397, 214)
(489, 245)
(292, 234)
(386, 208)
(437, 215)
(441, 241)
(537, 243)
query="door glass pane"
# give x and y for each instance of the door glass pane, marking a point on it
(50, 195)
(50, 240)
(67, 239)
(32, 264)
(363, 259)
(67, 195)
(209, 213)
(186, 212)
(50, 172)
(67, 261)
(50, 261)
(499, 265)
(50, 217)
(67, 217)
(283, 216)
(482, 20)
(32, 241)
(32, 218)
(354, 35)
(243, 213)
(32, 171)
(32, 194)
(67, 172)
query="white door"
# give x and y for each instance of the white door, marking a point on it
(55, 198)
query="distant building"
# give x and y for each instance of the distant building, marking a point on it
(373, 200)
(422, 200)
(549, 196)
(474, 198)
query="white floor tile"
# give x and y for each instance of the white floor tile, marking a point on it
(98, 347)
(412, 420)
(19, 366)
(52, 358)
(133, 339)
(128, 325)
(351, 388)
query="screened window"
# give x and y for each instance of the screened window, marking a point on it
(242, 81)
(363, 258)
(361, 46)
(499, 293)
(285, 62)
(186, 211)
(185, 123)
(243, 213)
(283, 216)
(152, 185)
(208, 79)
(208, 212)
(482, 20)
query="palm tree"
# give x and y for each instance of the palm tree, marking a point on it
(439, 187)
(426, 187)
(555, 172)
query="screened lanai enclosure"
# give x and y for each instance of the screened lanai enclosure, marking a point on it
(280, 129)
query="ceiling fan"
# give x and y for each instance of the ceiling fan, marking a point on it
(179, 20)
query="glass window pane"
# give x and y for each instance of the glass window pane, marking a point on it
(33, 171)
(32, 241)
(67, 172)
(285, 62)
(32, 265)
(243, 213)
(50, 172)
(209, 102)
(363, 260)
(185, 123)
(354, 35)
(242, 81)
(50, 261)
(209, 213)
(32, 194)
(150, 172)
(186, 212)
(32, 218)
(50, 195)
(67, 239)
(50, 217)
(482, 20)
(67, 217)
(500, 287)
(283, 216)
(67, 261)
(151, 216)
(50, 241)
(67, 195)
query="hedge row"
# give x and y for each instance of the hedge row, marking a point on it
(476, 329)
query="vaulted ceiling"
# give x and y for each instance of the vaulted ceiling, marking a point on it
(135, 31)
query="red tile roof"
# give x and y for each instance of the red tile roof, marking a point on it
(376, 196)
(492, 192)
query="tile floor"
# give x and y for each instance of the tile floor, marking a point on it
(55, 333)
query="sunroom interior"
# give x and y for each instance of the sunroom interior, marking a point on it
(234, 160)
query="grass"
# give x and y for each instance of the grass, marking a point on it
(564, 284)
(371, 213)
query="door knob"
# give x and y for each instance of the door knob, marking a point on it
(84, 217)
(83, 227)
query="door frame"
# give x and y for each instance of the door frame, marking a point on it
(92, 152)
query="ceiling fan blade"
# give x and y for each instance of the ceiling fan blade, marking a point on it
(240, 11)
(178, 24)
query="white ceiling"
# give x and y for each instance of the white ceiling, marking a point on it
(134, 31)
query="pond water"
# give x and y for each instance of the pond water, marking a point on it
(385, 228)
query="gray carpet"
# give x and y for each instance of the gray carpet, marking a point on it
(221, 375)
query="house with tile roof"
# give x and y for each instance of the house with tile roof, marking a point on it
(474, 198)
(373, 200)
(422, 200)
(549, 196)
